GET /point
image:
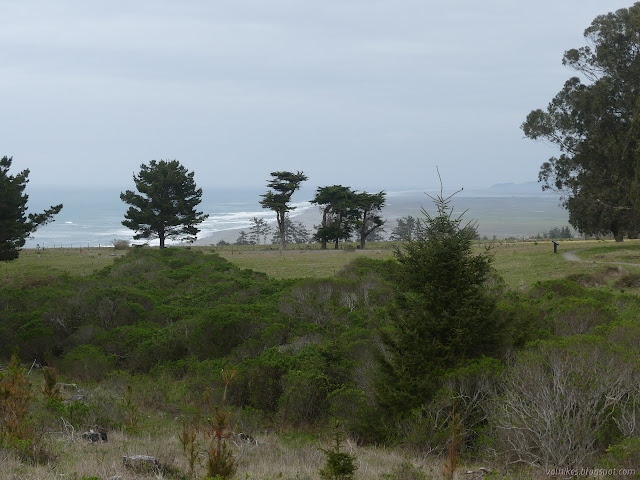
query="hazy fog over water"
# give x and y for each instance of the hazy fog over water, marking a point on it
(93, 217)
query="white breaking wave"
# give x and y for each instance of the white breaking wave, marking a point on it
(92, 220)
(93, 217)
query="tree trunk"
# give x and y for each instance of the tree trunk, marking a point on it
(323, 244)
(363, 232)
(617, 231)
(280, 217)
(161, 237)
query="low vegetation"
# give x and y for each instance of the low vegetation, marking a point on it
(144, 340)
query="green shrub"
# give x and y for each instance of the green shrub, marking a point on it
(360, 420)
(574, 316)
(51, 388)
(15, 400)
(338, 465)
(87, 362)
(406, 471)
(623, 455)
(304, 398)
(17, 432)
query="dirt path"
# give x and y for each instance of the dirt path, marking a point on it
(572, 257)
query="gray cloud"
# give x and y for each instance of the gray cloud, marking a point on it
(354, 92)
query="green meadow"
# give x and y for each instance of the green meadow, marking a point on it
(143, 336)
(519, 263)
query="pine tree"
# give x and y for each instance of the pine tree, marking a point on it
(369, 221)
(259, 230)
(443, 313)
(338, 465)
(339, 214)
(165, 208)
(243, 239)
(15, 224)
(406, 229)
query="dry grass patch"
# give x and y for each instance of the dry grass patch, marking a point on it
(630, 280)
(600, 278)
(273, 458)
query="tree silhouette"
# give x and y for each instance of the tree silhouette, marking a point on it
(165, 208)
(15, 224)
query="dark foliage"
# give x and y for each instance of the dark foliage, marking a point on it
(165, 206)
(281, 187)
(15, 224)
(596, 127)
(444, 312)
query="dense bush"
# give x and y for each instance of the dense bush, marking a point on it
(166, 322)
(183, 314)
(444, 311)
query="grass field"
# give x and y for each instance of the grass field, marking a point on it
(519, 263)
(58, 261)
(300, 263)
(629, 252)
(524, 263)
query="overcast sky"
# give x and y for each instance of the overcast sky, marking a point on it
(367, 93)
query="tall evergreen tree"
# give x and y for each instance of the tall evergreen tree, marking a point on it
(407, 228)
(339, 213)
(443, 313)
(243, 239)
(15, 224)
(165, 208)
(281, 188)
(294, 232)
(596, 126)
(259, 230)
(369, 220)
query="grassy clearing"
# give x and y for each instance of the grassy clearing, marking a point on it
(273, 458)
(524, 263)
(626, 252)
(301, 263)
(520, 263)
(58, 261)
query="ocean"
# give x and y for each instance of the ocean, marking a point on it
(92, 217)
